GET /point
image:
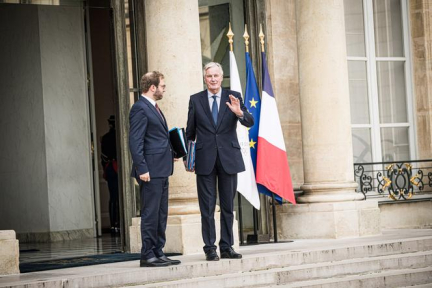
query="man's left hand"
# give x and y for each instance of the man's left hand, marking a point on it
(235, 106)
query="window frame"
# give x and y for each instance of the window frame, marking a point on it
(371, 61)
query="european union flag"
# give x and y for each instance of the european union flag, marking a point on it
(253, 102)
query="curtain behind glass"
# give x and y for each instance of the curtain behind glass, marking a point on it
(354, 28)
(388, 28)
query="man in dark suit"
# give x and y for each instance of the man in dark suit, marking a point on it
(152, 165)
(212, 122)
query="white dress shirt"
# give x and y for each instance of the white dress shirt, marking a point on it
(218, 98)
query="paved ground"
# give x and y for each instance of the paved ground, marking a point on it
(36, 252)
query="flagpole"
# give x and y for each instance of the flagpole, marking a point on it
(240, 218)
(253, 239)
(261, 36)
(246, 37)
(274, 218)
(230, 36)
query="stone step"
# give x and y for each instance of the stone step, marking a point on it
(307, 272)
(256, 259)
(420, 286)
(409, 286)
(388, 279)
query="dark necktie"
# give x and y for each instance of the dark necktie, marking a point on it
(214, 109)
(160, 112)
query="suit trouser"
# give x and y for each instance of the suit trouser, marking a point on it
(154, 213)
(227, 186)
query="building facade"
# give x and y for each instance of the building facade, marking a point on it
(351, 79)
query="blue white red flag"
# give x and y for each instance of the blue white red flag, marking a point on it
(253, 103)
(272, 170)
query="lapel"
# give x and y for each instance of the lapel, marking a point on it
(205, 104)
(153, 109)
(222, 107)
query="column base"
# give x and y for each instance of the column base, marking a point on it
(9, 251)
(328, 220)
(183, 234)
(329, 192)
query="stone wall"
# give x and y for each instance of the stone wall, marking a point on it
(9, 253)
(421, 43)
(406, 215)
(281, 39)
(45, 170)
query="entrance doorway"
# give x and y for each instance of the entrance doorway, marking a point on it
(58, 92)
(104, 109)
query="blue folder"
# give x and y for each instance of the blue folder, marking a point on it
(190, 160)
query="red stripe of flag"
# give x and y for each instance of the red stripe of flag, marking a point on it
(273, 170)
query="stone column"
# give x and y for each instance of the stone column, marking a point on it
(324, 101)
(282, 49)
(329, 210)
(174, 48)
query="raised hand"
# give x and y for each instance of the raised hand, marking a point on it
(235, 106)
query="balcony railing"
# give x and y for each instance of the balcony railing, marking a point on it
(399, 180)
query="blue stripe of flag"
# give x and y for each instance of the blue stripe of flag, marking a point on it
(252, 101)
(267, 86)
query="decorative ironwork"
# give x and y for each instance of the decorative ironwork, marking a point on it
(365, 180)
(400, 180)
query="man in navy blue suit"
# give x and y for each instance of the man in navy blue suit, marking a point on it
(212, 122)
(152, 158)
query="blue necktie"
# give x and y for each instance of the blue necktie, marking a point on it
(214, 109)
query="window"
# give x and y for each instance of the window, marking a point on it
(379, 80)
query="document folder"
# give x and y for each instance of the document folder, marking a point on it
(190, 160)
(177, 139)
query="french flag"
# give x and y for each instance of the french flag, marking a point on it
(272, 169)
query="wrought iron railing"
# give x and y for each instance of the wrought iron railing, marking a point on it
(399, 180)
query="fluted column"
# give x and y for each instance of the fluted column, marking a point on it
(174, 48)
(324, 100)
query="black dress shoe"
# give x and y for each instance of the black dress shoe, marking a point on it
(169, 261)
(212, 256)
(153, 262)
(231, 254)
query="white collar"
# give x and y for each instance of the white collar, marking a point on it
(149, 99)
(218, 94)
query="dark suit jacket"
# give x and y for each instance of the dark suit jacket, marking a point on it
(149, 141)
(220, 139)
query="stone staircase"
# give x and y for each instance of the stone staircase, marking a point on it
(394, 263)
(398, 258)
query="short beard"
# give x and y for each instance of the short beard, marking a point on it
(158, 95)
